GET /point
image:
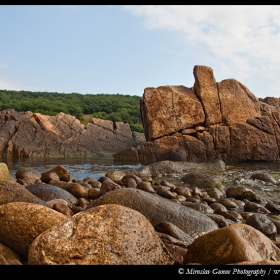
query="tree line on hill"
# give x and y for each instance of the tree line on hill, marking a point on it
(114, 107)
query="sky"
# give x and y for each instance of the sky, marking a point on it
(115, 49)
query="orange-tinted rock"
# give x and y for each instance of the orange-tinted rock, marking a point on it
(22, 222)
(100, 235)
(232, 244)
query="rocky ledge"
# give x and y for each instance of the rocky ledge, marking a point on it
(28, 134)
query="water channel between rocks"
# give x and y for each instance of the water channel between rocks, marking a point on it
(95, 167)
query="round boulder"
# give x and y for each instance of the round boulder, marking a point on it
(27, 172)
(11, 191)
(22, 222)
(4, 172)
(262, 223)
(232, 244)
(158, 209)
(49, 192)
(100, 235)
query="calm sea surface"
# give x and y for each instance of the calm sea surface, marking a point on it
(79, 168)
(95, 167)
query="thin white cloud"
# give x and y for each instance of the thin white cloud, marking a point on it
(242, 40)
(10, 84)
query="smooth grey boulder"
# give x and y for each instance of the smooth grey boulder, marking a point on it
(14, 192)
(167, 167)
(158, 209)
(48, 192)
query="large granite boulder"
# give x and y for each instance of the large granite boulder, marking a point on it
(167, 167)
(101, 235)
(11, 191)
(230, 245)
(211, 120)
(158, 209)
(22, 222)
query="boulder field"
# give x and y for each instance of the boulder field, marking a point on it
(132, 217)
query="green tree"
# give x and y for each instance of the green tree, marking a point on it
(114, 107)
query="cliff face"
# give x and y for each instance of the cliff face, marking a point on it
(211, 120)
(33, 134)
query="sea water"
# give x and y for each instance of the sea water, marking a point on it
(79, 167)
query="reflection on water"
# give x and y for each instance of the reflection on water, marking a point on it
(79, 168)
(255, 165)
(95, 167)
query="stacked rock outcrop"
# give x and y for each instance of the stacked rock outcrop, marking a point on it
(211, 120)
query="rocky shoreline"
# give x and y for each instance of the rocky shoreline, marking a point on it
(210, 214)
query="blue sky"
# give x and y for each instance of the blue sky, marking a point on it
(124, 49)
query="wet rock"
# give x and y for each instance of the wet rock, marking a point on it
(52, 202)
(229, 204)
(177, 252)
(202, 180)
(79, 191)
(48, 176)
(272, 207)
(126, 177)
(83, 202)
(250, 206)
(165, 192)
(131, 183)
(166, 167)
(115, 175)
(241, 192)
(67, 186)
(93, 193)
(62, 172)
(108, 185)
(263, 176)
(217, 205)
(220, 220)
(26, 172)
(94, 183)
(64, 209)
(145, 186)
(185, 191)
(276, 220)
(262, 223)
(229, 215)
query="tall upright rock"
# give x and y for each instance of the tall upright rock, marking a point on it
(206, 89)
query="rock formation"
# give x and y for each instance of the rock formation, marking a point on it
(32, 134)
(211, 120)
